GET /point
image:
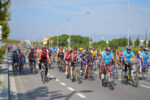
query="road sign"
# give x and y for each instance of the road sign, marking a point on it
(0, 32)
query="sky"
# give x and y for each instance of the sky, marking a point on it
(107, 19)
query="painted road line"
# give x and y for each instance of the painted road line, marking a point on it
(57, 80)
(13, 88)
(145, 86)
(71, 89)
(81, 95)
(64, 84)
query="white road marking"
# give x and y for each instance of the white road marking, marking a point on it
(81, 95)
(57, 80)
(48, 74)
(63, 83)
(145, 86)
(71, 89)
(119, 79)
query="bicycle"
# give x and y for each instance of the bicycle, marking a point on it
(43, 69)
(61, 66)
(108, 77)
(15, 68)
(90, 72)
(76, 73)
(131, 75)
(32, 69)
(145, 69)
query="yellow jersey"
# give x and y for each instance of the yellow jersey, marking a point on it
(93, 52)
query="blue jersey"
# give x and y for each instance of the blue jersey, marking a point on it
(145, 56)
(127, 55)
(16, 57)
(107, 58)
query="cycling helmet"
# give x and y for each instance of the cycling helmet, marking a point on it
(108, 49)
(122, 49)
(93, 48)
(145, 49)
(43, 49)
(75, 48)
(32, 50)
(113, 48)
(128, 48)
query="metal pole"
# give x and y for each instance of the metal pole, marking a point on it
(57, 33)
(88, 13)
(128, 22)
(69, 42)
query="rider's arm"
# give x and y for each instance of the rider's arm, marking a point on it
(48, 58)
(39, 58)
(135, 58)
(124, 58)
(103, 59)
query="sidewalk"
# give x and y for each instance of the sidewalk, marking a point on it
(4, 87)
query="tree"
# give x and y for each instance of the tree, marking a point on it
(4, 17)
(137, 42)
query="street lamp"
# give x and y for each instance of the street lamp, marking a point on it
(88, 13)
(128, 21)
(57, 33)
(69, 42)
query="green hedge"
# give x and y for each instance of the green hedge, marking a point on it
(2, 52)
(11, 41)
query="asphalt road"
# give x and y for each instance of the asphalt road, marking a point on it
(30, 87)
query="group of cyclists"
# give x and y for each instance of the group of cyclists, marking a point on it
(84, 58)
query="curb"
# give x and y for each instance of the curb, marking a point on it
(12, 85)
(4, 89)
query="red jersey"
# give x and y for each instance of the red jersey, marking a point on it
(44, 56)
(74, 55)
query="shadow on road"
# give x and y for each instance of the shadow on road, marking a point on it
(42, 93)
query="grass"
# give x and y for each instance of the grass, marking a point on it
(1, 60)
(1, 83)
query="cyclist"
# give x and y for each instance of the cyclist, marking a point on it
(74, 57)
(54, 53)
(127, 55)
(121, 55)
(145, 56)
(15, 57)
(21, 56)
(32, 58)
(60, 54)
(50, 53)
(106, 58)
(139, 53)
(80, 56)
(93, 53)
(44, 58)
(67, 59)
(87, 60)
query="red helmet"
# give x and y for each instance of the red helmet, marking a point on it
(32, 50)
(43, 49)
(50, 50)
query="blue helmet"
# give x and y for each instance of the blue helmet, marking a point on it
(93, 48)
(122, 49)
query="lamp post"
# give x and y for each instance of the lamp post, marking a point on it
(89, 26)
(69, 42)
(57, 33)
(128, 22)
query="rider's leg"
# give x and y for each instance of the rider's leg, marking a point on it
(35, 64)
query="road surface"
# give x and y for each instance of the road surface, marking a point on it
(29, 87)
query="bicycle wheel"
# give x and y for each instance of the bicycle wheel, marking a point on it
(123, 74)
(111, 82)
(115, 72)
(135, 79)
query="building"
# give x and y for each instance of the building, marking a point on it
(142, 43)
(45, 40)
